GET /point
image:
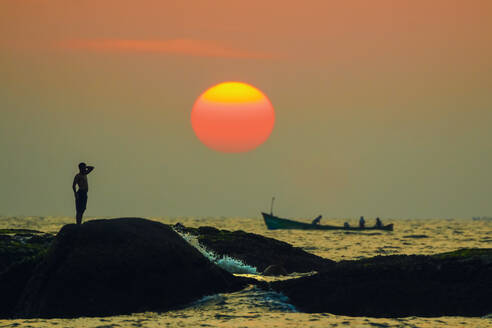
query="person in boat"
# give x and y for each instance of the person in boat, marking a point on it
(346, 225)
(362, 222)
(316, 221)
(379, 224)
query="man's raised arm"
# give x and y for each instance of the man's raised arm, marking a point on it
(89, 169)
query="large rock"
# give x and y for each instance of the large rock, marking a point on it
(457, 283)
(119, 266)
(21, 250)
(256, 250)
(12, 282)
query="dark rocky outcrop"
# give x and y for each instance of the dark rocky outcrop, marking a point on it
(21, 250)
(12, 283)
(456, 283)
(118, 266)
(18, 245)
(256, 250)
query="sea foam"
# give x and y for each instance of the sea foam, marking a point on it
(225, 262)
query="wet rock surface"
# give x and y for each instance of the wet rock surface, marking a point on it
(21, 250)
(18, 245)
(12, 283)
(119, 266)
(455, 284)
(257, 250)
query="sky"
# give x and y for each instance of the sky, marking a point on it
(383, 108)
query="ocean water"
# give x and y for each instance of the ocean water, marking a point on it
(253, 307)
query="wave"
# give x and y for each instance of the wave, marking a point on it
(227, 263)
(250, 297)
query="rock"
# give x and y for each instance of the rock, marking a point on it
(17, 245)
(12, 283)
(275, 270)
(256, 250)
(456, 283)
(5, 238)
(19, 231)
(120, 266)
(41, 239)
(21, 250)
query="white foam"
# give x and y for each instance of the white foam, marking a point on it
(225, 262)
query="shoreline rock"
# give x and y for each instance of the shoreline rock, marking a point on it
(18, 245)
(455, 283)
(256, 250)
(120, 266)
(126, 265)
(12, 283)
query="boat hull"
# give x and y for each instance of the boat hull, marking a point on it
(273, 223)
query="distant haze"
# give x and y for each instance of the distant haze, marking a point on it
(383, 108)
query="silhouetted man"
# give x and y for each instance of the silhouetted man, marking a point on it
(81, 194)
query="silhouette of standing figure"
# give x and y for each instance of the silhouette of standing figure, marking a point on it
(80, 179)
(362, 222)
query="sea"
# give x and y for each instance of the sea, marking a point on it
(253, 307)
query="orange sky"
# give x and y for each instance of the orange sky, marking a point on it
(382, 107)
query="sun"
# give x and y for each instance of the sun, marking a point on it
(232, 117)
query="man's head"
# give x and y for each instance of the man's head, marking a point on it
(82, 167)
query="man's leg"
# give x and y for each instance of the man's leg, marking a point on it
(81, 204)
(79, 217)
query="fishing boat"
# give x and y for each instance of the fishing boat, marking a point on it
(273, 222)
